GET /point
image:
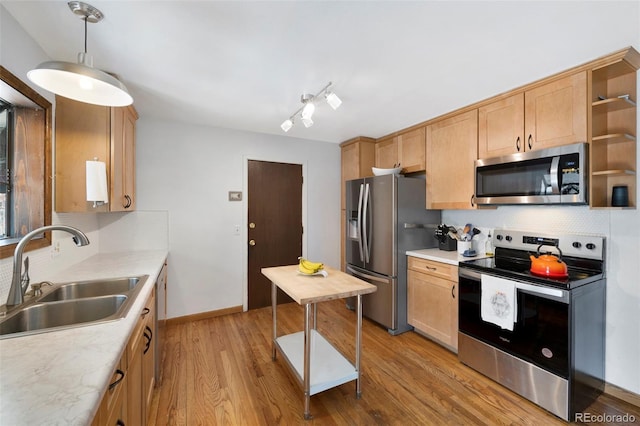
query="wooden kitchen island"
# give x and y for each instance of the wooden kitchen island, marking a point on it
(317, 364)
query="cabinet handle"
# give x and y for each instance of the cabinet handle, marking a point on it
(144, 313)
(128, 201)
(518, 144)
(431, 268)
(471, 200)
(149, 338)
(452, 291)
(118, 380)
(529, 142)
(120, 423)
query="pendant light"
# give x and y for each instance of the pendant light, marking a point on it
(80, 81)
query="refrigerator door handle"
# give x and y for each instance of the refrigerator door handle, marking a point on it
(359, 230)
(365, 230)
(367, 276)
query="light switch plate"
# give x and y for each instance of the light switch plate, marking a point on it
(235, 195)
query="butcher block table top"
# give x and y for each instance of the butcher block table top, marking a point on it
(316, 288)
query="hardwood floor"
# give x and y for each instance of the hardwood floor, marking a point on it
(219, 371)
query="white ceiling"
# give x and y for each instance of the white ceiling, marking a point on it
(244, 65)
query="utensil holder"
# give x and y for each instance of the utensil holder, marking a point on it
(464, 245)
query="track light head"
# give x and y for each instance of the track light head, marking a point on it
(333, 100)
(287, 125)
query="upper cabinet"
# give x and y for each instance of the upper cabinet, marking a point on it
(387, 152)
(547, 115)
(358, 156)
(556, 113)
(406, 149)
(86, 132)
(451, 152)
(613, 128)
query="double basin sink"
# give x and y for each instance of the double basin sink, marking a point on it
(73, 304)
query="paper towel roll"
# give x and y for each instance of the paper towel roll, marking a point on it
(97, 181)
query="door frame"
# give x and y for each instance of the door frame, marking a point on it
(244, 234)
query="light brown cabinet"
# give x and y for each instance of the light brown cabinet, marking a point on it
(87, 132)
(451, 150)
(614, 128)
(548, 115)
(432, 300)
(387, 152)
(411, 150)
(113, 409)
(406, 149)
(141, 352)
(357, 158)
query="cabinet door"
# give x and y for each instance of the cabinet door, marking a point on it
(387, 153)
(135, 399)
(452, 147)
(432, 307)
(501, 127)
(556, 113)
(411, 147)
(148, 356)
(82, 134)
(123, 127)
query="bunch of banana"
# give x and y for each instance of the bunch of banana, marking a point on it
(308, 267)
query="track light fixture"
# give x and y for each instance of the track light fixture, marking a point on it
(80, 81)
(309, 106)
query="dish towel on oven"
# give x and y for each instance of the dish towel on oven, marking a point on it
(498, 304)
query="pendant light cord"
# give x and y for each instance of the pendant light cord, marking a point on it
(85, 34)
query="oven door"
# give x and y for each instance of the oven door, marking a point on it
(541, 333)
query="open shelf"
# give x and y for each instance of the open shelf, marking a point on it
(614, 138)
(613, 104)
(618, 172)
(329, 368)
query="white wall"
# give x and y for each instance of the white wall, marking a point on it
(188, 170)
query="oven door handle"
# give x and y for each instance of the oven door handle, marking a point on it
(540, 290)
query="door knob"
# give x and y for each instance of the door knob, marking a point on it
(252, 225)
(252, 242)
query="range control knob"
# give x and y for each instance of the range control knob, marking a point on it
(499, 237)
(577, 244)
(591, 246)
(508, 238)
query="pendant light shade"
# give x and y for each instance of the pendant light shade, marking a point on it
(80, 81)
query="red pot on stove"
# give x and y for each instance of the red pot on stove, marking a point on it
(548, 265)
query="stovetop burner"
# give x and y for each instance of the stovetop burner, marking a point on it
(584, 256)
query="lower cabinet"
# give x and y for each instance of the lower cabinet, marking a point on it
(113, 409)
(141, 365)
(130, 392)
(432, 300)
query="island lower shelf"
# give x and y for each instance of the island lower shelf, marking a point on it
(328, 367)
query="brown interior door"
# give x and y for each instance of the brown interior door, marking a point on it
(275, 225)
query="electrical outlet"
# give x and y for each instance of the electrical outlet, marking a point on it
(55, 250)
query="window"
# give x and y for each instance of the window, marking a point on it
(25, 163)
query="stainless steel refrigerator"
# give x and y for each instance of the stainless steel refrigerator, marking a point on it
(386, 216)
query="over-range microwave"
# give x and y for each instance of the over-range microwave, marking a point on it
(555, 175)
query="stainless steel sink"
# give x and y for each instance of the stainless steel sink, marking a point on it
(73, 304)
(42, 316)
(94, 288)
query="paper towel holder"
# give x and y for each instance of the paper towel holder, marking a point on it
(96, 182)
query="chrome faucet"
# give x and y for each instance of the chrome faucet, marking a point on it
(20, 282)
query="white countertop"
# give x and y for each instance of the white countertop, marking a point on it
(60, 377)
(437, 255)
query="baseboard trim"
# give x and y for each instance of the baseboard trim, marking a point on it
(623, 394)
(204, 315)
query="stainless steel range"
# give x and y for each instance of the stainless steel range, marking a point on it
(541, 335)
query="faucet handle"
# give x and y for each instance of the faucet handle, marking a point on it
(24, 278)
